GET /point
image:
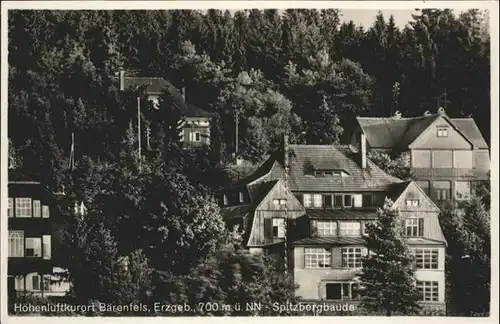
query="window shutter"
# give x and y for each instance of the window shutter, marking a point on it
(268, 228)
(420, 227)
(314, 228)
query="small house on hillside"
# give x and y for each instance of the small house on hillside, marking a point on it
(196, 127)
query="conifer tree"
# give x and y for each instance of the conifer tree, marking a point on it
(387, 275)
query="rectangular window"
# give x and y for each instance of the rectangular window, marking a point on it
(442, 131)
(327, 228)
(278, 228)
(318, 201)
(307, 200)
(421, 159)
(414, 227)
(35, 282)
(367, 200)
(318, 258)
(241, 198)
(19, 283)
(33, 247)
(37, 208)
(429, 290)
(279, 202)
(442, 159)
(424, 185)
(224, 198)
(352, 257)
(16, 244)
(45, 212)
(10, 208)
(426, 258)
(358, 200)
(23, 207)
(462, 190)
(412, 203)
(46, 247)
(350, 229)
(338, 201)
(463, 159)
(194, 137)
(327, 199)
(347, 201)
(46, 283)
(343, 291)
(442, 190)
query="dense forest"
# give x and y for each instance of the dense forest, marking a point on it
(153, 231)
(300, 72)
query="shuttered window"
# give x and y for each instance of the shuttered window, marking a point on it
(278, 227)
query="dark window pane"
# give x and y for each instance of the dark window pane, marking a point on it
(328, 201)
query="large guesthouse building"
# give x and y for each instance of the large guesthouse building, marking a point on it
(448, 156)
(31, 210)
(318, 199)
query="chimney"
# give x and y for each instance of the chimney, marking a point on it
(285, 151)
(363, 150)
(122, 80)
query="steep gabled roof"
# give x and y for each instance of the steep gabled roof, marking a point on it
(393, 132)
(258, 192)
(324, 157)
(469, 128)
(155, 86)
(399, 133)
(335, 157)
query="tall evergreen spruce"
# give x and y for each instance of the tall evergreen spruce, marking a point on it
(387, 275)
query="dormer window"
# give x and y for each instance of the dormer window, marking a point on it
(330, 173)
(279, 202)
(412, 202)
(442, 131)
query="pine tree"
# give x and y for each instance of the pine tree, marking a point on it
(387, 275)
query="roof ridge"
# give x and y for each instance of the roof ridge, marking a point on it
(400, 118)
(144, 77)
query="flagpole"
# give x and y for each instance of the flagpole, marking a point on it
(139, 124)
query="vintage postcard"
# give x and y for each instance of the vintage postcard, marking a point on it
(315, 160)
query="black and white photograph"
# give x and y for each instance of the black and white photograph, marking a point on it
(305, 159)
